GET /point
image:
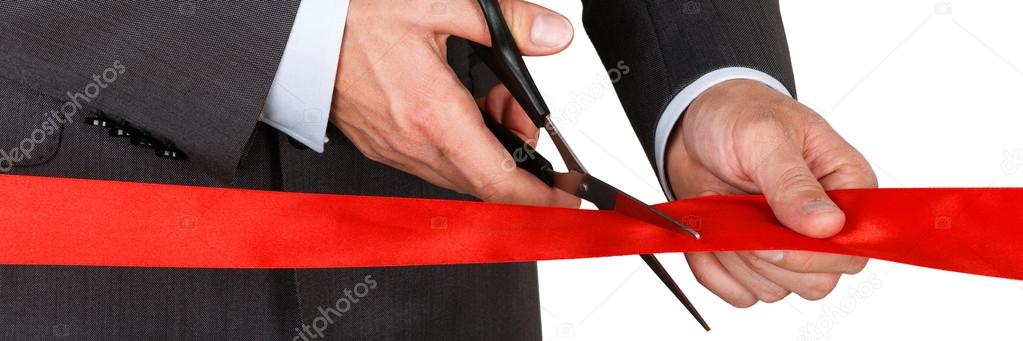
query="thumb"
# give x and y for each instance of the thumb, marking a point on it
(793, 192)
(537, 30)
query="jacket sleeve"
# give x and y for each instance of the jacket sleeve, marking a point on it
(194, 74)
(666, 45)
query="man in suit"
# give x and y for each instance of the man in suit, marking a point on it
(239, 94)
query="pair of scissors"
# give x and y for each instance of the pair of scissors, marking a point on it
(505, 59)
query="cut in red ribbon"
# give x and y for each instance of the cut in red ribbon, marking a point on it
(58, 221)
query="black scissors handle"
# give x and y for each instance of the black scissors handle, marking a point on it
(505, 59)
(524, 155)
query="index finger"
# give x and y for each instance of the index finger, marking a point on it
(813, 262)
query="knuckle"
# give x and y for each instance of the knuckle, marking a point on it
(857, 266)
(774, 295)
(373, 156)
(756, 263)
(764, 130)
(384, 145)
(762, 119)
(493, 189)
(864, 169)
(861, 175)
(798, 179)
(699, 262)
(388, 157)
(798, 262)
(510, 11)
(804, 263)
(813, 120)
(400, 146)
(414, 118)
(818, 287)
(741, 301)
(367, 147)
(412, 140)
(736, 297)
(702, 278)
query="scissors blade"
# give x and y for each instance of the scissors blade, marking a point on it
(505, 59)
(607, 197)
(662, 273)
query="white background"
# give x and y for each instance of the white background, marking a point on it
(929, 92)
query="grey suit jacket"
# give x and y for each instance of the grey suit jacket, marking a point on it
(191, 77)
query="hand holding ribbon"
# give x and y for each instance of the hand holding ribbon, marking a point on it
(741, 137)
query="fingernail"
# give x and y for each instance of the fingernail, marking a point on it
(814, 206)
(773, 256)
(551, 31)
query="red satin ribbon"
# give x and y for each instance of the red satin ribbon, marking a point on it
(58, 221)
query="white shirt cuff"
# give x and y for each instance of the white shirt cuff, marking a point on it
(678, 105)
(299, 100)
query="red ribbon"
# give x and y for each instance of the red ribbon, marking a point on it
(58, 221)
